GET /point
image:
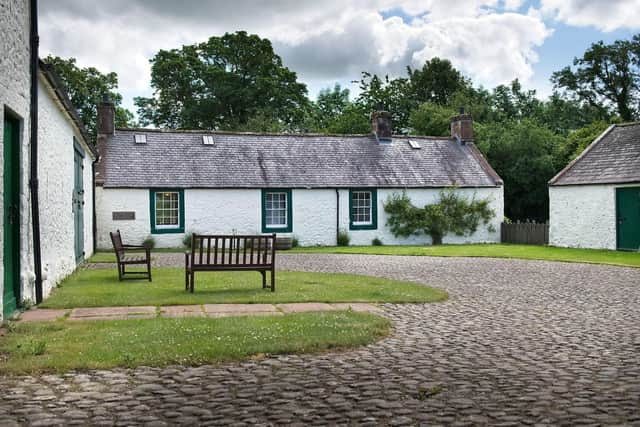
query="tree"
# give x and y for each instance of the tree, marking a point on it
(431, 119)
(86, 88)
(221, 84)
(578, 140)
(391, 94)
(523, 153)
(451, 213)
(606, 77)
(435, 82)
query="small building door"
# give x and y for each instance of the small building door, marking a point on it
(11, 217)
(78, 202)
(628, 216)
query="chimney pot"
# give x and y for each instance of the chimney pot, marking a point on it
(462, 126)
(106, 117)
(381, 125)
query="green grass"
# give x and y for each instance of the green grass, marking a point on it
(59, 346)
(101, 288)
(546, 253)
(492, 250)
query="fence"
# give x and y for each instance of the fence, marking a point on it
(528, 233)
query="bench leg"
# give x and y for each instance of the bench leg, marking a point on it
(120, 272)
(149, 268)
(192, 280)
(273, 280)
(264, 279)
(186, 279)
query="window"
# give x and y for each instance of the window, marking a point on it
(167, 211)
(363, 209)
(276, 211)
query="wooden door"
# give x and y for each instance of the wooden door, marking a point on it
(11, 216)
(628, 216)
(78, 203)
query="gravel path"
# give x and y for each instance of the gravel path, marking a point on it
(518, 342)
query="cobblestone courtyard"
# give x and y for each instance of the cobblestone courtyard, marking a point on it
(518, 342)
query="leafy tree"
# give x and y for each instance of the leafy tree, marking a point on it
(431, 119)
(391, 94)
(511, 102)
(451, 213)
(435, 82)
(355, 119)
(523, 153)
(330, 104)
(221, 84)
(86, 88)
(606, 77)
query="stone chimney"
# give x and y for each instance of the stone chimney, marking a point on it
(105, 128)
(381, 125)
(105, 123)
(462, 126)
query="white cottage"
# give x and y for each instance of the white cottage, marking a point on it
(595, 201)
(46, 163)
(165, 183)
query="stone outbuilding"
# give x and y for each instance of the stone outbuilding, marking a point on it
(46, 161)
(595, 201)
(165, 183)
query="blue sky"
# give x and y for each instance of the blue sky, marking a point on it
(490, 41)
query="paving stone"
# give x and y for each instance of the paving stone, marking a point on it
(99, 313)
(304, 307)
(41, 314)
(181, 311)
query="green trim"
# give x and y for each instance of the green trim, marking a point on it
(289, 227)
(152, 211)
(374, 210)
(77, 147)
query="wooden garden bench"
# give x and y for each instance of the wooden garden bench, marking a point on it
(231, 253)
(124, 258)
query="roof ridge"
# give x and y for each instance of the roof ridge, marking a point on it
(287, 134)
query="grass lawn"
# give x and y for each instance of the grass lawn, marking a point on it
(101, 288)
(494, 250)
(62, 345)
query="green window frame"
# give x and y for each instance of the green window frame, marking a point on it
(277, 218)
(166, 206)
(363, 209)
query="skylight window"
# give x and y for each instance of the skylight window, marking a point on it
(140, 138)
(414, 144)
(207, 139)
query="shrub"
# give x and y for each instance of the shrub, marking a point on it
(452, 213)
(149, 242)
(343, 238)
(376, 242)
(187, 239)
(295, 242)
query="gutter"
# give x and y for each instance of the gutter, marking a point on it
(33, 179)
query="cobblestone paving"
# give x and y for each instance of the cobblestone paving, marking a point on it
(519, 342)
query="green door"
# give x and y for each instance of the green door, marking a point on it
(78, 203)
(628, 212)
(11, 216)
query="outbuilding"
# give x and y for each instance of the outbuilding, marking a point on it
(595, 201)
(46, 161)
(165, 183)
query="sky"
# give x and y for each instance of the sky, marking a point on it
(333, 41)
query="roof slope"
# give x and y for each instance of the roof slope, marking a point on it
(180, 159)
(613, 158)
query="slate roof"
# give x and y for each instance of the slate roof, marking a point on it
(613, 158)
(179, 159)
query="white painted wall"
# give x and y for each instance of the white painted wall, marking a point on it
(314, 215)
(15, 98)
(583, 216)
(56, 177)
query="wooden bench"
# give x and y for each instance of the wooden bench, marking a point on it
(124, 258)
(231, 253)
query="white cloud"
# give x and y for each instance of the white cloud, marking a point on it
(606, 15)
(324, 42)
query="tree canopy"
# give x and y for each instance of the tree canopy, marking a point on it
(86, 88)
(221, 84)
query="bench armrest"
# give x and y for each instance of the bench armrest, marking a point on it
(134, 247)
